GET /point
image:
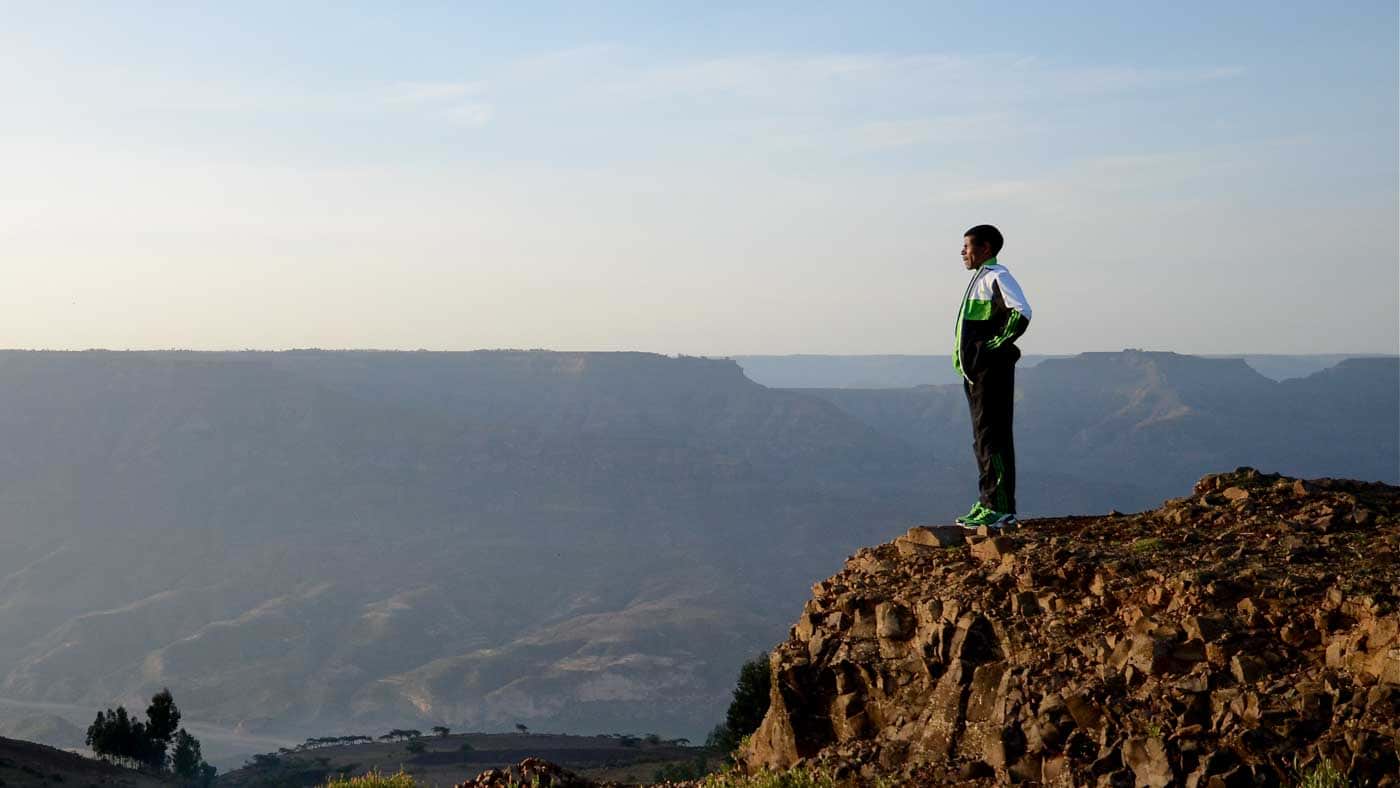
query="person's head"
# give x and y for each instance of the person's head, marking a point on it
(980, 244)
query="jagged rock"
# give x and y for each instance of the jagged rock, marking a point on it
(1148, 760)
(937, 535)
(993, 548)
(1208, 642)
(531, 771)
(1235, 493)
(1247, 669)
(1204, 628)
(893, 621)
(1085, 712)
(1150, 653)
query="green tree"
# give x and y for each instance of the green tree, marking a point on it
(117, 735)
(747, 708)
(162, 718)
(416, 746)
(441, 730)
(187, 759)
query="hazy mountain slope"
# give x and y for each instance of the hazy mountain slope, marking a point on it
(310, 542)
(281, 542)
(1349, 418)
(49, 728)
(1141, 424)
(814, 370)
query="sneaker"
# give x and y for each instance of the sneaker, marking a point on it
(1007, 520)
(989, 518)
(972, 514)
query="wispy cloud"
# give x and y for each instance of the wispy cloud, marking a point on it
(472, 116)
(785, 78)
(459, 103)
(430, 92)
(887, 134)
(1114, 79)
(838, 102)
(917, 78)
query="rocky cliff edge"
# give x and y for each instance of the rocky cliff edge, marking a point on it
(1246, 634)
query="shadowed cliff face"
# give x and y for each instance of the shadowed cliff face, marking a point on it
(1241, 633)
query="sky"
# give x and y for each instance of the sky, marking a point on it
(701, 178)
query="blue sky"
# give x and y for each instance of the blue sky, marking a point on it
(696, 178)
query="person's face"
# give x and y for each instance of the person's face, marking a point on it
(973, 253)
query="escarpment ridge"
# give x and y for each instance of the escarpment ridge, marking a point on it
(1242, 635)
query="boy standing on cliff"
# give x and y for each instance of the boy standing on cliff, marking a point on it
(993, 313)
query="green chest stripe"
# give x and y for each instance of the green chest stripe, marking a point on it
(974, 309)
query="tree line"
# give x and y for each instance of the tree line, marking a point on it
(158, 744)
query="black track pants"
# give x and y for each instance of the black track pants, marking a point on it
(989, 398)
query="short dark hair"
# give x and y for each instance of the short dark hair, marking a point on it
(986, 234)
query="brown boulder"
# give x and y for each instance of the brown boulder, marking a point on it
(993, 548)
(1149, 762)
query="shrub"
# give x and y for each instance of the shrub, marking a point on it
(748, 707)
(798, 777)
(685, 770)
(1146, 545)
(374, 779)
(1322, 775)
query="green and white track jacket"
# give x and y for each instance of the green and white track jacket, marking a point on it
(994, 312)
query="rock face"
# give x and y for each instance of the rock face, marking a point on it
(1237, 636)
(531, 771)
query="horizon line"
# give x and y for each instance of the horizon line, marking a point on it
(800, 354)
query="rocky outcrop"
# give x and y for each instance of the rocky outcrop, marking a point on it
(1237, 636)
(532, 772)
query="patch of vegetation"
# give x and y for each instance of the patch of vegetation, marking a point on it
(374, 779)
(1322, 775)
(799, 777)
(159, 744)
(327, 741)
(676, 772)
(272, 771)
(1146, 545)
(747, 709)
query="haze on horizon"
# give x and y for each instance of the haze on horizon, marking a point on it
(700, 179)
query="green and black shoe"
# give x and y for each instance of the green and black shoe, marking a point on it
(972, 514)
(989, 517)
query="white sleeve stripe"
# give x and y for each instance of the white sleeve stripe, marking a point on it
(1011, 293)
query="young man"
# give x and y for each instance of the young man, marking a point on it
(992, 315)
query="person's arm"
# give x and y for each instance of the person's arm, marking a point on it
(1020, 317)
